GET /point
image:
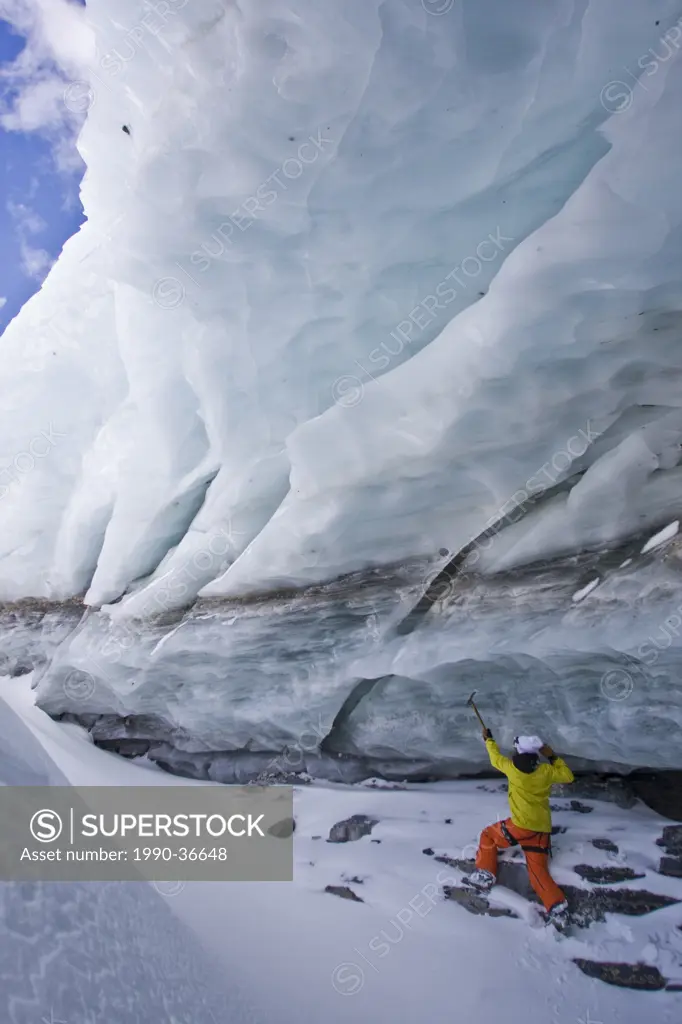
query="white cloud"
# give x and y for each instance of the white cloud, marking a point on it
(3, 301)
(56, 31)
(59, 48)
(27, 219)
(35, 262)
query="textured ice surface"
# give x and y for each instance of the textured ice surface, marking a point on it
(358, 283)
(356, 274)
(321, 681)
(662, 537)
(109, 951)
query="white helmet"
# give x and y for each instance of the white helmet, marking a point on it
(527, 744)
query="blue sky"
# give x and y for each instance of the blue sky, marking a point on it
(40, 208)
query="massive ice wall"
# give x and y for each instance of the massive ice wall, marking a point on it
(365, 289)
(351, 276)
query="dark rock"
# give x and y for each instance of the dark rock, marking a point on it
(671, 866)
(612, 789)
(448, 821)
(283, 829)
(224, 768)
(671, 840)
(588, 905)
(186, 770)
(354, 880)
(344, 892)
(605, 844)
(375, 840)
(351, 829)
(661, 791)
(581, 808)
(638, 976)
(605, 875)
(381, 784)
(428, 851)
(574, 805)
(559, 829)
(152, 728)
(454, 862)
(84, 721)
(585, 905)
(125, 747)
(475, 903)
(512, 875)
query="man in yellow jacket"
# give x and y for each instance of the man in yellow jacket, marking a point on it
(530, 824)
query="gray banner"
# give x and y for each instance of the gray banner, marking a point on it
(152, 833)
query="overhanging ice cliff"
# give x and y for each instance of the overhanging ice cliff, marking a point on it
(365, 290)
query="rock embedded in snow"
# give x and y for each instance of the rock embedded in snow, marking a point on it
(642, 977)
(574, 805)
(670, 866)
(671, 840)
(352, 829)
(475, 903)
(605, 875)
(344, 892)
(605, 844)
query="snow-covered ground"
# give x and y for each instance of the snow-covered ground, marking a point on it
(405, 955)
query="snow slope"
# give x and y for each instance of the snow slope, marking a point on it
(302, 955)
(86, 953)
(353, 278)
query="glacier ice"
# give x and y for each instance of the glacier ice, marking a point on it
(662, 537)
(358, 285)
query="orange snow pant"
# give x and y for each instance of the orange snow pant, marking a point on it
(535, 846)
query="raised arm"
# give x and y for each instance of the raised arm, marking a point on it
(560, 772)
(497, 760)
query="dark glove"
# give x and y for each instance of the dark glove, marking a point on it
(487, 734)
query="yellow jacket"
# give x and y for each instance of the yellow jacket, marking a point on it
(529, 794)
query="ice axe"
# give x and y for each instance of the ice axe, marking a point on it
(470, 704)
